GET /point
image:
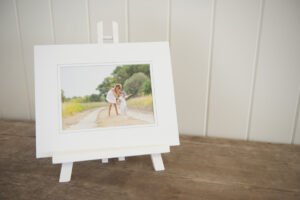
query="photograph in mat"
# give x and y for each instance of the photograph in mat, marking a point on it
(112, 95)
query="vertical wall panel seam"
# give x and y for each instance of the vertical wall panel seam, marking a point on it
(168, 20)
(23, 58)
(52, 21)
(254, 68)
(210, 56)
(88, 20)
(294, 124)
(1, 109)
(126, 21)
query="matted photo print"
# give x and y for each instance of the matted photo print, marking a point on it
(110, 95)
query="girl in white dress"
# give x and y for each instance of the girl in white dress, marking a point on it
(112, 97)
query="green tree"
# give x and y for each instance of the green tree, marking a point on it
(87, 98)
(106, 85)
(147, 87)
(101, 98)
(63, 97)
(134, 84)
(94, 98)
(122, 73)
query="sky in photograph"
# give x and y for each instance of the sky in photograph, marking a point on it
(83, 80)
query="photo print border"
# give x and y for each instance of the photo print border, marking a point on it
(60, 66)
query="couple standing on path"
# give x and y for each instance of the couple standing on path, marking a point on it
(115, 95)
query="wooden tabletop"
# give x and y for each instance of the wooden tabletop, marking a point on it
(200, 168)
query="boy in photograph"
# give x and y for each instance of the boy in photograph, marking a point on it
(122, 101)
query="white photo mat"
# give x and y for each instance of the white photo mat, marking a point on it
(48, 60)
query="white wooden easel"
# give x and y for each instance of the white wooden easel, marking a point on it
(67, 159)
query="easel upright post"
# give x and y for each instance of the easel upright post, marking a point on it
(115, 39)
(115, 27)
(115, 33)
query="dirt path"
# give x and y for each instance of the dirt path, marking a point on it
(89, 121)
(99, 118)
(133, 117)
(74, 119)
(142, 115)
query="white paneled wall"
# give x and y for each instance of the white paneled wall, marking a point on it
(148, 20)
(35, 25)
(14, 85)
(189, 36)
(233, 51)
(236, 63)
(278, 73)
(71, 26)
(296, 124)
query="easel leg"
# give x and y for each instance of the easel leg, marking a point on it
(66, 172)
(121, 158)
(157, 162)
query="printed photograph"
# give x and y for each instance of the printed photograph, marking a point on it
(106, 96)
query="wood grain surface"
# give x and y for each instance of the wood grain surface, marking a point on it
(201, 168)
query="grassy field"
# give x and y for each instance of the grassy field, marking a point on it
(73, 107)
(142, 102)
(70, 108)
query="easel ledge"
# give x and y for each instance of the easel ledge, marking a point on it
(68, 158)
